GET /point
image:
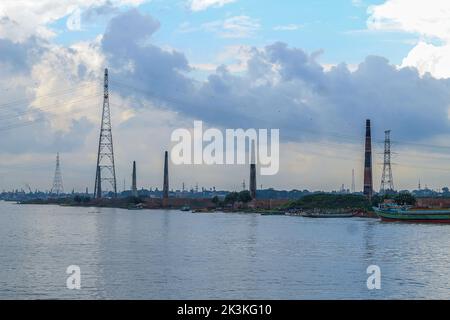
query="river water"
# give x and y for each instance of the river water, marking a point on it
(177, 255)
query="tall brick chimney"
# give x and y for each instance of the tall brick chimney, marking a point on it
(253, 172)
(133, 181)
(368, 185)
(166, 176)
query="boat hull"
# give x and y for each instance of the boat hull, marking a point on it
(415, 217)
(329, 216)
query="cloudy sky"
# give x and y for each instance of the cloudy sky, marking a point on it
(314, 69)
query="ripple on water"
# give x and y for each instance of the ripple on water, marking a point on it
(166, 254)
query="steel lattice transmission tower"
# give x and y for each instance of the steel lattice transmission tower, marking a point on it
(57, 187)
(387, 181)
(106, 171)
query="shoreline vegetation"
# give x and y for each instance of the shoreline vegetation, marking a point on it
(322, 204)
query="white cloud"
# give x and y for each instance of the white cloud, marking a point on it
(200, 5)
(430, 20)
(233, 27)
(429, 58)
(78, 67)
(21, 19)
(288, 27)
(234, 57)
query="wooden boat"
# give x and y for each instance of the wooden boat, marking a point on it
(328, 215)
(203, 211)
(139, 206)
(407, 214)
(273, 213)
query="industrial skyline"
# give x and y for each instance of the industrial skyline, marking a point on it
(269, 75)
(224, 149)
(105, 149)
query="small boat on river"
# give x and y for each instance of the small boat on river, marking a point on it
(393, 213)
(328, 215)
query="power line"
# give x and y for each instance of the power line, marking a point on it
(38, 120)
(49, 95)
(46, 108)
(336, 135)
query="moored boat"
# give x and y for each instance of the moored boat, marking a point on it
(406, 214)
(328, 215)
(273, 213)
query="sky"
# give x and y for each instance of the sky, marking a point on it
(313, 69)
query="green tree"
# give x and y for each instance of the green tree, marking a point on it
(134, 200)
(215, 200)
(405, 199)
(245, 196)
(376, 200)
(232, 197)
(331, 201)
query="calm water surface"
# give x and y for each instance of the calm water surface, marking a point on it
(176, 255)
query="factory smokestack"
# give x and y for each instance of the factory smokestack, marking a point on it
(166, 176)
(368, 186)
(253, 173)
(133, 184)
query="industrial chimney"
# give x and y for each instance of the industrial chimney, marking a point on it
(253, 173)
(166, 176)
(368, 186)
(133, 184)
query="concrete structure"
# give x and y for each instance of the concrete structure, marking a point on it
(134, 191)
(268, 204)
(166, 176)
(368, 184)
(353, 190)
(433, 203)
(178, 203)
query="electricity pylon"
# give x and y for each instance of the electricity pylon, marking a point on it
(387, 181)
(106, 171)
(57, 187)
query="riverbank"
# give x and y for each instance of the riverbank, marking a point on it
(194, 205)
(320, 205)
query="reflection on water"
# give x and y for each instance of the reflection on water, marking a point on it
(178, 255)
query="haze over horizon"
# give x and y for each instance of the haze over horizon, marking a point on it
(316, 71)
